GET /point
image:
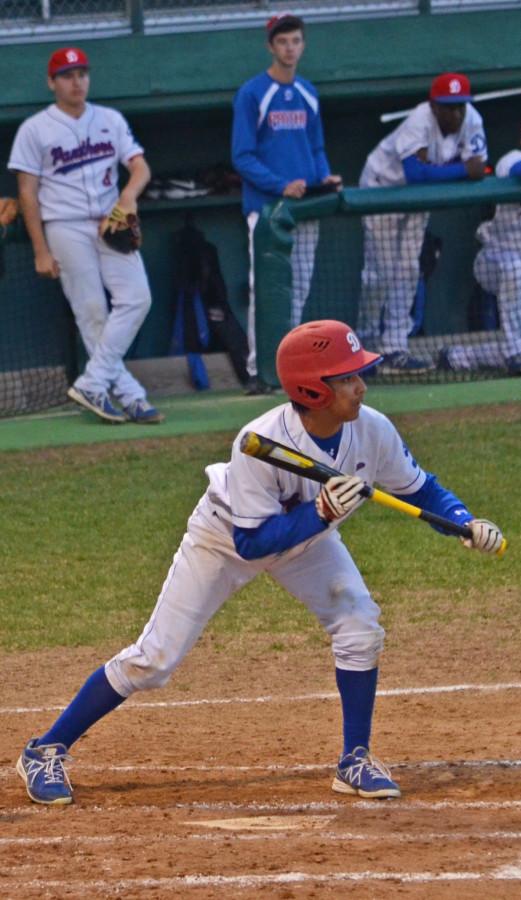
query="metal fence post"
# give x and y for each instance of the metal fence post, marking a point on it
(136, 16)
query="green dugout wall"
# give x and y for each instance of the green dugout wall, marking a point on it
(177, 91)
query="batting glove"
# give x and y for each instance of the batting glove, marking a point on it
(339, 496)
(486, 536)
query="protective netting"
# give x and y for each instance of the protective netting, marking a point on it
(436, 292)
(37, 335)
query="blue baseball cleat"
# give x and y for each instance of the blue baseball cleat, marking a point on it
(143, 413)
(362, 774)
(99, 404)
(43, 770)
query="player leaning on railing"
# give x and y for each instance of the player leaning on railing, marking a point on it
(497, 269)
(442, 139)
(254, 518)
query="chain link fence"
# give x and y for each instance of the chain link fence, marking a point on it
(22, 20)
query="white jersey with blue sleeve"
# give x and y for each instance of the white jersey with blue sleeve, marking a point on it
(277, 137)
(503, 232)
(76, 160)
(251, 490)
(421, 130)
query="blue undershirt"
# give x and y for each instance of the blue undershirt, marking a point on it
(418, 172)
(283, 531)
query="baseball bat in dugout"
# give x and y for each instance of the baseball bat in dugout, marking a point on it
(283, 457)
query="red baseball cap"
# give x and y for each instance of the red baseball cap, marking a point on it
(450, 88)
(67, 58)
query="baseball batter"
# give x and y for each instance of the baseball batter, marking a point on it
(66, 159)
(278, 149)
(440, 140)
(254, 518)
(497, 268)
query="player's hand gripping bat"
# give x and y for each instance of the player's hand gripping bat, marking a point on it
(283, 457)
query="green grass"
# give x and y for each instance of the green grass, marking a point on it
(88, 534)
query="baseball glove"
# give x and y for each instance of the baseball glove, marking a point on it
(9, 210)
(121, 230)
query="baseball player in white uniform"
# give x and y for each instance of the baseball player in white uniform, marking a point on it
(497, 268)
(66, 159)
(254, 518)
(442, 139)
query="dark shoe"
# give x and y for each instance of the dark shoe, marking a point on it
(514, 364)
(256, 386)
(444, 363)
(402, 362)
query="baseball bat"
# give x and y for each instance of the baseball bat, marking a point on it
(283, 457)
(489, 95)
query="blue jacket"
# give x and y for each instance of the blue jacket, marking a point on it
(277, 137)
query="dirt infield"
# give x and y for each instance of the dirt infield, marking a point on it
(218, 786)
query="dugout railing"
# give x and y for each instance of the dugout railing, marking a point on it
(456, 322)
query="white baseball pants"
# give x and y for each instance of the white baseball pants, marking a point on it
(302, 264)
(88, 266)
(206, 570)
(499, 271)
(392, 246)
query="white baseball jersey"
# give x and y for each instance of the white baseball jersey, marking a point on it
(421, 130)
(503, 232)
(76, 160)
(250, 490)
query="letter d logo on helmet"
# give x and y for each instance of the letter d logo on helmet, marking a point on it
(311, 354)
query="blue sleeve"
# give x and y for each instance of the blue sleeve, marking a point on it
(515, 169)
(316, 138)
(418, 172)
(244, 146)
(436, 499)
(279, 533)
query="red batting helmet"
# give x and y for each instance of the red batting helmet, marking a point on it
(311, 354)
(67, 58)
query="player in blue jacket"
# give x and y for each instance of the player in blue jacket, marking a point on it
(278, 149)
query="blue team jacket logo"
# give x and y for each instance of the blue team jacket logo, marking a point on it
(82, 155)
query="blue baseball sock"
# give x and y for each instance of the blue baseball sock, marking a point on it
(357, 692)
(93, 701)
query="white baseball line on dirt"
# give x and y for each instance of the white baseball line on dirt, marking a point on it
(7, 771)
(281, 834)
(277, 805)
(505, 873)
(297, 698)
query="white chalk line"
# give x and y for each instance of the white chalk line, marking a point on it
(7, 771)
(505, 873)
(281, 834)
(275, 806)
(269, 698)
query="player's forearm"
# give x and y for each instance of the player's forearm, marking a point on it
(279, 532)
(418, 172)
(139, 176)
(257, 174)
(434, 498)
(33, 221)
